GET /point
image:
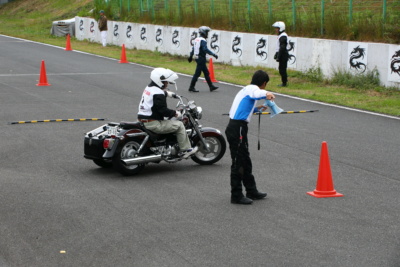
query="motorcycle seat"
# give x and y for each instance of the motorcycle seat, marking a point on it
(129, 125)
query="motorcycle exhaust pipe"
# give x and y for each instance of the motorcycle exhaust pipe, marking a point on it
(141, 160)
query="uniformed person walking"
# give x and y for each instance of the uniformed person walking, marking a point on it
(199, 51)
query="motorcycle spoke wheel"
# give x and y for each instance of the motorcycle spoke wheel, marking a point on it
(216, 147)
(127, 151)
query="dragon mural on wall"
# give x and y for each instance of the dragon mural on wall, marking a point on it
(128, 32)
(262, 43)
(81, 25)
(357, 53)
(143, 34)
(213, 43)
(292, 58)
(158, 36)
(116, 34)
(236, 41)
(395, 63)
(193, 36)
(175, 35)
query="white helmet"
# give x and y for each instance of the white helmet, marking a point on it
(203, 31)
(160, 75)
(280, 25)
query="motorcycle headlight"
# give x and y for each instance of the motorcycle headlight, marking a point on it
(191, 104)
(198, 112)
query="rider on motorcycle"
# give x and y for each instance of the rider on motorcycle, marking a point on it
(153, 109)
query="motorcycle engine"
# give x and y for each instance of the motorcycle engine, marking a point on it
(166, 151)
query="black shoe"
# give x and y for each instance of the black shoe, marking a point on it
(283, 85)
(213, 88)
(192, 89)
(243, 201)
(256, 195)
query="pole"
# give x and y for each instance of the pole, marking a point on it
(322, 16)
(294, 13)
(249, 12)
(270, 10)
(230, 12)
(196, 3)
(351, 11)
(384, 11)
(212, 11)
(180, 10)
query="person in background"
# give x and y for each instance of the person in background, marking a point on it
(102, 23)
(242, 108)
(282, 55)
(199, 50)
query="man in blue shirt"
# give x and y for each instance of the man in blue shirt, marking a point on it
(199, 50)
(243, 106)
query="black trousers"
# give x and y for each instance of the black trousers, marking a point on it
(283, 62)
(241, 168)
(201, 67)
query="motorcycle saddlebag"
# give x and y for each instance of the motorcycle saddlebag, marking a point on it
(94, 147)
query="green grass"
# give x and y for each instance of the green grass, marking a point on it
(31, 19)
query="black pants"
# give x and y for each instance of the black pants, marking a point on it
(201, 67)
(241, 168)
(283, 62)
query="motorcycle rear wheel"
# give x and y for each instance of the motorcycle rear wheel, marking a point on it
(127, 150)
(217, 147)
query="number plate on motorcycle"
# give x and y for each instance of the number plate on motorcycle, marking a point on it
(112, 131)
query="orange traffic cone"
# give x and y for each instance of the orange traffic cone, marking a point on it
(324, 183)
(43, 77)
(211, 71)
(123, 55)
(68, 44)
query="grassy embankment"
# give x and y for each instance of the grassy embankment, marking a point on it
(31, 19)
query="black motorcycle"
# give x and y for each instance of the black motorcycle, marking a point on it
(129, 146)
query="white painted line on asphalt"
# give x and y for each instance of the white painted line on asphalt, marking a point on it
(231, 84)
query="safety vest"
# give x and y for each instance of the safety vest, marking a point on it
(196, 45)
(277, 41)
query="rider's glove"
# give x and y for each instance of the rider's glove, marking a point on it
(276, 56)
(178, 114)
(216, 56)
(170, 94)
(190, 59)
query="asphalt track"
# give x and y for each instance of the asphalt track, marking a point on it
(59, 209)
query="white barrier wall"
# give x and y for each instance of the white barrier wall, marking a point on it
(237, 48)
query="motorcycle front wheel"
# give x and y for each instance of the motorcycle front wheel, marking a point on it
(216, 146)
(127, 150)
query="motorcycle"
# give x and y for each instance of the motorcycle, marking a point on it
(129, 146)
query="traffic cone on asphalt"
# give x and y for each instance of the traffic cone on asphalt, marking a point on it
(324, 183)
(43, 77)
(123, 55)
(211, 71)
(68, 44)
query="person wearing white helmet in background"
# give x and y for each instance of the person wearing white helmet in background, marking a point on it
(282, 54)
(199, 50)
(153, 109)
